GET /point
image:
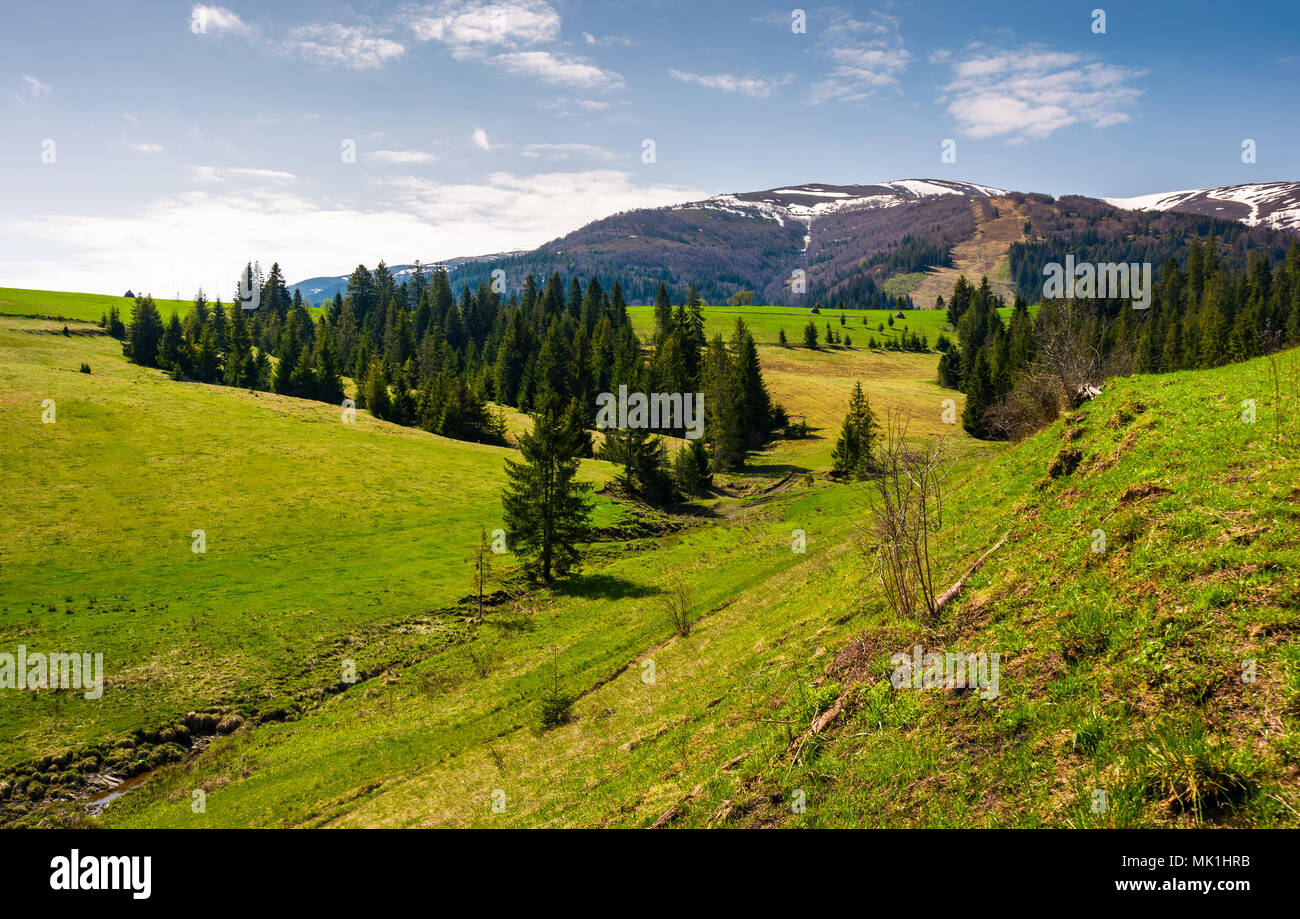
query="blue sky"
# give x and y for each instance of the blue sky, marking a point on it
(159, 145)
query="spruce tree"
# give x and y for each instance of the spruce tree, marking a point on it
(810, 335)
(755, 404)
(207, 365)
(546, 509)
(663, 314)
(374, 392)
(114, 325)
(641, 459)
(173, 341)
(286, 359)
(979, 396)
(218, 324)
(691, 468)
(328, 380)
(146, 333)
(852, 456)
(722, 407)
(239, 369)
(302, 381)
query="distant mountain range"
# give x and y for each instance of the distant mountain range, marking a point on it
(324, 288)
(847, 240)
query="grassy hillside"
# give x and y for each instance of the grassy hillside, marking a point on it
(1164, 670)
(324, 540)
(76, 307)
(1120, 670)
(816, 385)
(58, 304)
(765, 321)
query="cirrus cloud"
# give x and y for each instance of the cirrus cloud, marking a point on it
(464, 25)
(867, 54)
(400, 157)
(1034, 91)
(757, 87)
(559, 69)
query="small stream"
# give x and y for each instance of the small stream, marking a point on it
(101, 800)
(97, 803)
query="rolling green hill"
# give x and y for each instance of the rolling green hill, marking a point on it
(766, 321)
(77, 307)
(321, 537)
(1121, 670)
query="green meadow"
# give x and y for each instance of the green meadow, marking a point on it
(1121, 670)
(75, 307)
(766, 321)
(319, 535)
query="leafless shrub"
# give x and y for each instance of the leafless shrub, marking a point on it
(1034, 402)
(679, 604)
(1070, 366)
(908, 513)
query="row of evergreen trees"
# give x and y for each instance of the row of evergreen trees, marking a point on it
(1203, 313)
(422, 356)
(813, 340)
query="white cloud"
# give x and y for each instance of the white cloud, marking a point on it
(564, 151)
(503, 34)
(35, 88)
(750, 86)
(215, 20)
(202, 237)
(145, 147)
(131, 118)
(222, 174)
(463, 25)
(400, 157)
(511, 211)
(1032, 92)
(620, 40)
(272, 174)
(480, 139)
(32, 89)
(867, 54)
(559, 69)
(355, 47)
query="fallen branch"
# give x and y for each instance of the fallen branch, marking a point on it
(955, 589)
(818, 724)
(675, 811)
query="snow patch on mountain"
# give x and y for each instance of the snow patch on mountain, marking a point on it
(1275, 205)
(806, 202)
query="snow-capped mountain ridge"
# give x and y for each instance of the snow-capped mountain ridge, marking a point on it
(804, 202)
(754, 240)
(1271, 204)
